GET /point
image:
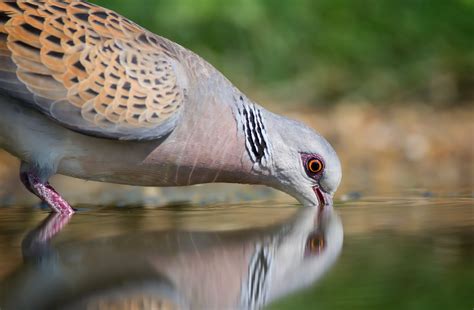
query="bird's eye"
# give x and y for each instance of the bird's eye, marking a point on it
(314, 165)
(315, 244)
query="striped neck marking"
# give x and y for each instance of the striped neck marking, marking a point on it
(256, 141)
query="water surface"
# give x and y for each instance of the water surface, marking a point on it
(411, 251)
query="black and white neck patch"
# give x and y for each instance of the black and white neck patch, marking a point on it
(256, 140)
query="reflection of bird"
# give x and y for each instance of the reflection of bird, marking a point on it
(243, 269)
(85, 92)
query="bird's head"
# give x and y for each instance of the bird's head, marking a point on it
(303, 163)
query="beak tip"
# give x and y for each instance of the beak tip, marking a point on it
(324, 198)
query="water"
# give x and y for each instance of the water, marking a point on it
(411, 251)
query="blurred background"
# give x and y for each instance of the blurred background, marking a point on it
(390, 83)
(326, 52)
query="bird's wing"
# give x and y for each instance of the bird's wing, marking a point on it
(90, 69)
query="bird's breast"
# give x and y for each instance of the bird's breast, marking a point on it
(207, 147)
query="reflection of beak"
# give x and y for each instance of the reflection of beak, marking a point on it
(323, 197)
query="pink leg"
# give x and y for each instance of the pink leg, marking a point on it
(45, 192)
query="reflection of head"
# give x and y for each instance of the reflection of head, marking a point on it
(295, 259)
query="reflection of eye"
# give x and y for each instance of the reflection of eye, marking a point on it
(315, 244)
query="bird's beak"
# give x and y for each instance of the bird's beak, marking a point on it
(323, 197)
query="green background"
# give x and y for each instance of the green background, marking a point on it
(326, 51)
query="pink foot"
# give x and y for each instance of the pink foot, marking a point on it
(46, 193)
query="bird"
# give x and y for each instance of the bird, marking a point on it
(87, 93)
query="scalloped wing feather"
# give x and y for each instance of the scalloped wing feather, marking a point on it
(90, 69)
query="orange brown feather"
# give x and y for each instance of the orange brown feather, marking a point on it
(89, 68)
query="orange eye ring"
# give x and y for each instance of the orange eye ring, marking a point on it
(314, 165)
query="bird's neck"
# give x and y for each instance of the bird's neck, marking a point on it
(210, 145)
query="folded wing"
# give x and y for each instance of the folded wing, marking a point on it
(90, 69)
